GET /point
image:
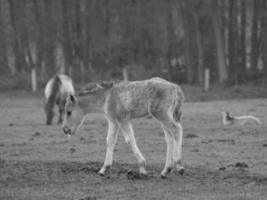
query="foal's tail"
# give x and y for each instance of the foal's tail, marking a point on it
(177, 114)
(52, 94)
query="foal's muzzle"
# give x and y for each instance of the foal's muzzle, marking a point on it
(66, 130)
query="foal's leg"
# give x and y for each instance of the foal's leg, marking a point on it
(127, 130)
(164, 119)
(177, 151)
(177, 132)
(169, 155)
(173, 136)
(112, 137)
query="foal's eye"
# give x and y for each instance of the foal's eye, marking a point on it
(69, 113)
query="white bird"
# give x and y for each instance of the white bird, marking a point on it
(242, 120)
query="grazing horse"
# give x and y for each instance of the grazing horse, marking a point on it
(124, 101)
(56, 91)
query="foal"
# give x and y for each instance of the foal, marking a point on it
(56, 91)
(127, 100)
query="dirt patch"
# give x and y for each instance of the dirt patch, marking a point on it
(78, 179)
(221, 162)
(190, 136)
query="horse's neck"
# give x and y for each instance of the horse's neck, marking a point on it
(93, 103)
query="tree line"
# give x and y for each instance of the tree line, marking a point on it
(176, 39)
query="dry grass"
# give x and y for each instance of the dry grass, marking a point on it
(38, 162)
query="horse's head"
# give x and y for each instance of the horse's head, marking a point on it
(73, 116)
(91, 99)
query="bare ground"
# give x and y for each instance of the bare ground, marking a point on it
(221, 162)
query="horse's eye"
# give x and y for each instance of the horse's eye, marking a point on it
(69, 113)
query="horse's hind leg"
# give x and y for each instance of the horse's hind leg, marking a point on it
(177, 151)
(127, 130)
(177, 133)
(49, 114)
(169, 155)
(173, 135)
(111, 142)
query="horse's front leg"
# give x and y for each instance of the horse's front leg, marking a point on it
(112, 137)
(61, 113)
(61, 107)
(127, 130)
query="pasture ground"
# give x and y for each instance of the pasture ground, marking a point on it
(221, 162)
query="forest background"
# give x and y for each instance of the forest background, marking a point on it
(100, 39)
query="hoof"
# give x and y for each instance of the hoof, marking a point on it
(143, 172)
(101, 173)
(165, 172)
(103, 170)
(143, 175)
(181, 171)
(163, 176)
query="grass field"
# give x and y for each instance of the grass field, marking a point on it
(221, 162)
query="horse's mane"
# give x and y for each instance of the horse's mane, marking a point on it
(94, 87)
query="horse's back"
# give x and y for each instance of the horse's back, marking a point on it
(48, 88)
(59, 84)
(52, 86)
(67, 84)
(137, 98)
(154, 89)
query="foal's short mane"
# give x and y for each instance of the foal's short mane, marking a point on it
(94, 87)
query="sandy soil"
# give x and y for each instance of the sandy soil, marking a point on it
(221, 162)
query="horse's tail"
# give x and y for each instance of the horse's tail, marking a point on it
(177, 114)
(51, 97)
(55, 88)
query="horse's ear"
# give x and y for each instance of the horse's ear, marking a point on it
(72, 98)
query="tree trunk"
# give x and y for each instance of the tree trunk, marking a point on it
(11, 37)
(254, 53)
(264, 36)
(184, 7)
(200, 50)
(125, 73)
(60, 59)
(6, 45)
(170, 40)
(217, 26)
(66, 36)
(232, 42)
(34, 79)
(242, 49)
(88, 52)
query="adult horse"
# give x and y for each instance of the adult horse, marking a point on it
(56, 91)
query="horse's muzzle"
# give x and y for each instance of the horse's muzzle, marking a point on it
(66, 130)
